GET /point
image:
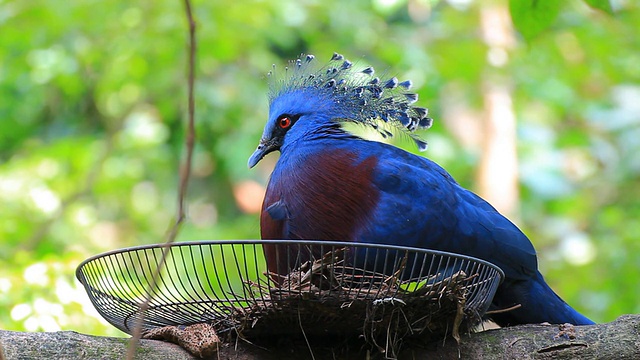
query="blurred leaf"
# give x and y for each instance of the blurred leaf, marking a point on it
(531, 17)
(604, 5)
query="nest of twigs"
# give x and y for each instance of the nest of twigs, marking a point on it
(328, 298)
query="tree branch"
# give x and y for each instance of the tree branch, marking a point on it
(615, 340)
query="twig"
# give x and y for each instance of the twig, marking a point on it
(184, 182)
(500, 311)
(305, 336)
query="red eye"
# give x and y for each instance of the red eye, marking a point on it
(284, 122)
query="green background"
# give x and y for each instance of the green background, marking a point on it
(93, 102)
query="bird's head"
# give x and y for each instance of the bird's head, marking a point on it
(310, 98)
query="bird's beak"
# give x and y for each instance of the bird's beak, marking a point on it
(263, 149)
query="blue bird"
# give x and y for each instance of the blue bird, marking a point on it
(330, 184)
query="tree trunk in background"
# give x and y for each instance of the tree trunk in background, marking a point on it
(498, 171)
(619, 339)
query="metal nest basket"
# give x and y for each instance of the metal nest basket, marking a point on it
(258, 288)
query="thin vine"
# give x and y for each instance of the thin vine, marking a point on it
(185, 172)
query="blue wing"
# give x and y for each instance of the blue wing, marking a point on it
(421, 205)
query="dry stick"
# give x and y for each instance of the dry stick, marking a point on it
(500, 311)
(184, 182)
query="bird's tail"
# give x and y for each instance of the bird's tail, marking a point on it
(538, 304)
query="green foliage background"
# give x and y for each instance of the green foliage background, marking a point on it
(92, 109)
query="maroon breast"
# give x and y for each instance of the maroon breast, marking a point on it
(330, 196)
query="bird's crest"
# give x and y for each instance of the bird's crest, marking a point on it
(362, 97)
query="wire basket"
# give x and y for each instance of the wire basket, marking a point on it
(319, 285)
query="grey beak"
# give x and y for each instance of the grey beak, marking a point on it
(256, 156)
(263, 149)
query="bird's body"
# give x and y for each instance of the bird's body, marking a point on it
(331, 185)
